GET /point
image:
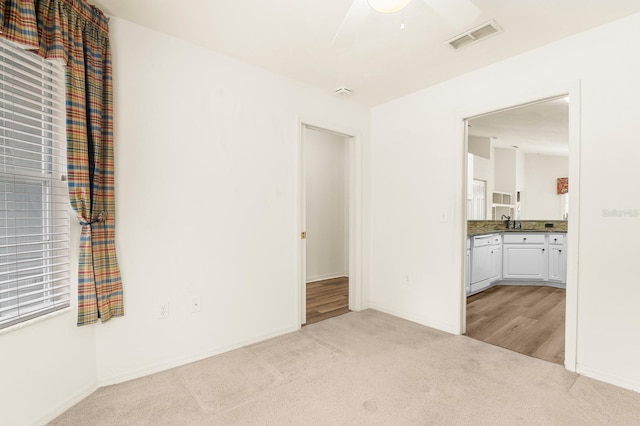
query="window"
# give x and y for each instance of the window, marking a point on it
(34, 212)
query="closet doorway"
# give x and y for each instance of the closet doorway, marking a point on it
(326, 223)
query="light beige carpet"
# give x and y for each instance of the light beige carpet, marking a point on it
(360, 369)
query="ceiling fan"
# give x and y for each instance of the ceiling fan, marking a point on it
(458, 13)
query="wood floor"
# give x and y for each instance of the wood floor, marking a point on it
(525, 319)
(327, 299)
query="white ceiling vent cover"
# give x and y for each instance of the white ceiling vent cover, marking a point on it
(344, 91)
(474, 35)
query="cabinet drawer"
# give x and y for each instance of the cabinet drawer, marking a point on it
(556, 238)
(523, 238)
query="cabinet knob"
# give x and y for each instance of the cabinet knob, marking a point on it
(543, 250)
(555, 239)
(524, 239)
(559, 251)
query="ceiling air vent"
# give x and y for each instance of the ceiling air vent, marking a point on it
(474, 35)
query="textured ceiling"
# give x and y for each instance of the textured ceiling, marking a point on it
(294, 37)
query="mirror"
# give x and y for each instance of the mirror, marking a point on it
(516, 158)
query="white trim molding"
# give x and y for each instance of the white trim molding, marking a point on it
(355, 154)
(531, 95)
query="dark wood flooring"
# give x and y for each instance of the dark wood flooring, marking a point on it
(524, 319)
(327, 299)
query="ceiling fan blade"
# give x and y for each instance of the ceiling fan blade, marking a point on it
(351, 24)
(458, 13)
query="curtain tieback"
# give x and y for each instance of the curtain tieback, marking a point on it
(101, 218)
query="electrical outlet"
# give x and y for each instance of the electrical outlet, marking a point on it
(164, 310)
(195, 304)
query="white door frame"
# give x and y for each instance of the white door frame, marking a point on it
(354, 170)
(490, 106)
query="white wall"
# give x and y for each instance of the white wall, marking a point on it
(483, 167)
(207, 192)
(521, 168)
(327, 217)
(483, 170)
(417, 169)
(521, 183)
(479, 146)
(207, 197)
(505, 170)
(47, 366)
(540, 199)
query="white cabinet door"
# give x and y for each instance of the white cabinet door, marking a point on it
(496, 263)
(524, 261)
(467, 283)
(557, 264)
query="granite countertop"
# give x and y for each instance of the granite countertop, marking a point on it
(481, 227)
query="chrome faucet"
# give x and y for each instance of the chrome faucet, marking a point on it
(508, 218)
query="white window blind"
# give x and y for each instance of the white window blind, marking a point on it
(34, 213)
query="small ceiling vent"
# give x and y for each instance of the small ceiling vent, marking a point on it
(343, 91)
(474, 35)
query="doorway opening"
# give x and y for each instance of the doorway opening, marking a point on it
(516, 272)
(327, 204)
(327, 299)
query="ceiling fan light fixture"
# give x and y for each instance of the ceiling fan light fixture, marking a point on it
(388, 6)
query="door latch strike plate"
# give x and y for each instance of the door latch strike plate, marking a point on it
(303, 235)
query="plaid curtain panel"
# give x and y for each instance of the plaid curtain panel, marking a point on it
(76, 33)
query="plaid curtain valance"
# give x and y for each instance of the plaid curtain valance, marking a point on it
(76, 33)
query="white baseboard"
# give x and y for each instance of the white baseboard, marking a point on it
(531, 283)
(67, 404)
(177, 362)
(613, 379)
(323, 277)
(447, 328)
